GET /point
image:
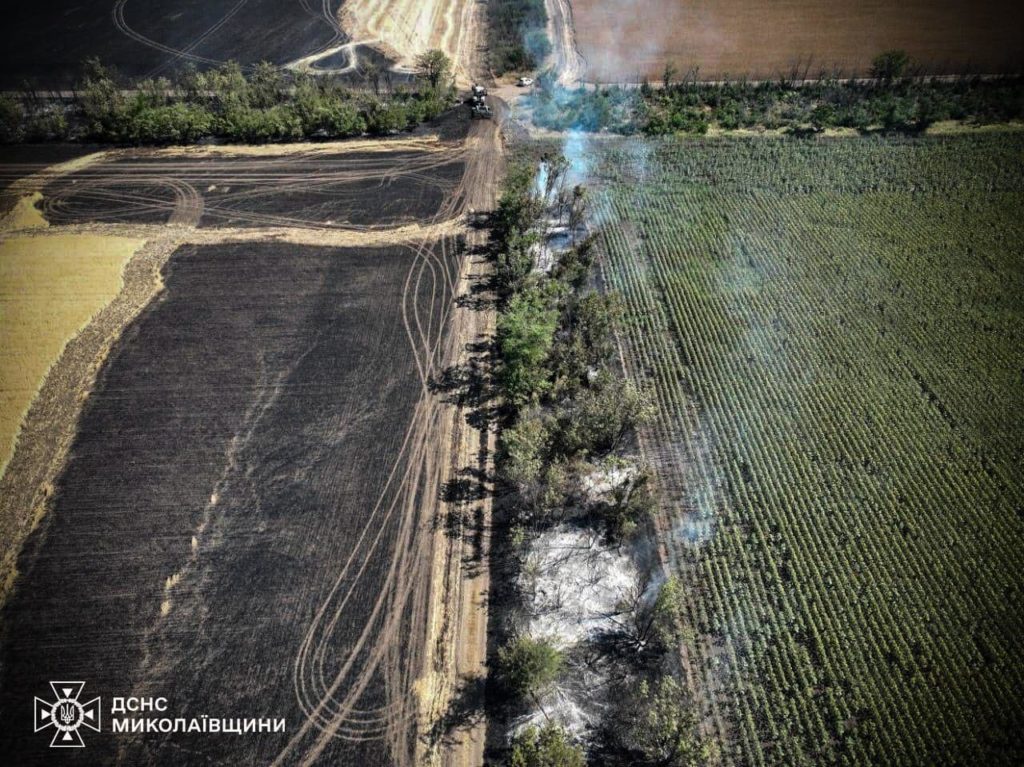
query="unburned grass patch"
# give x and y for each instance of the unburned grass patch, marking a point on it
(50, 287)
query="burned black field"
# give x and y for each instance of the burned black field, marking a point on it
(351, 190)
(287, 380)
(20, 160)
(46, 43)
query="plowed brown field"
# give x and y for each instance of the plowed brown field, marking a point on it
(625, 39)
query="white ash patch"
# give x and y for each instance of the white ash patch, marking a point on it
(556, 238)
(574, 585)
(598, 485)
(576, 707)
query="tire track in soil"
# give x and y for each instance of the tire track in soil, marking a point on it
(414, 483)
(565, 55)
(117, 16)
(199, 40)
(331, 716)
(111, 187)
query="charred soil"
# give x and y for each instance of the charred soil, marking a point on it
(256, 441)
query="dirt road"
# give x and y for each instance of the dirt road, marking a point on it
(453, 687)
(565, 55)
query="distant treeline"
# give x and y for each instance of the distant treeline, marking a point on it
(517, 35)
(886, 102)
(228, 103)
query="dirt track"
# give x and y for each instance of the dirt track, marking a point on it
(456, 672)
(565, 55)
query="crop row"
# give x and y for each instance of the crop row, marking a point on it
(836, 369)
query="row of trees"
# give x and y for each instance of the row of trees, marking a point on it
(569, 410)
(517, 35)
(260, 104)
(886, 101)
(569, 414)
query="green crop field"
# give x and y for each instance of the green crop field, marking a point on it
(833, 330)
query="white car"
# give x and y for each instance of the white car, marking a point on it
(524, 81)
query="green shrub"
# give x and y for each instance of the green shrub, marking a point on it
(174, 124)
(547, 747)
(525, 334)
(586, 344)
(385, 117)
(657, 724)
(517, 35)
(526, 667)
(47, 124)
(266, 86)
(573, 267)
(518, 207)
(11, 116)
(889, 65)
(258, 126)
(524, 450)
(103, 106)
(599, 417)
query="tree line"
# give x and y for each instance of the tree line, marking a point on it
(253, 105)
(568, 413)
(517, 37)
(889, 100)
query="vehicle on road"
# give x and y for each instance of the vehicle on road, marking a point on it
(524, 82)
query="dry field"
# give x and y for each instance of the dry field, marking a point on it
(622, 40)
(403, 29)
(47, 44)
(50, 287)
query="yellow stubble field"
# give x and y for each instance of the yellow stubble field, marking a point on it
(50, 287)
